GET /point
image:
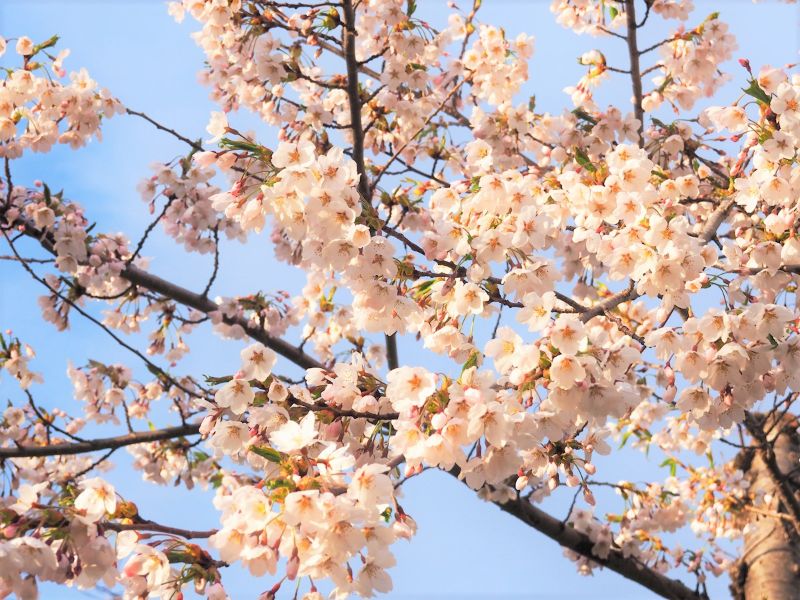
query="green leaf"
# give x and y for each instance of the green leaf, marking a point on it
(472, 361)
(331, 19)
(270, 454)
(757, 92)
(673, 466)
(155, 370)
(280, 482)
(240, 145)
(582, 114)
(625, 437)
(201, 456)
(48, 43)
(583, 160)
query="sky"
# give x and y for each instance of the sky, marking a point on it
(464, 548)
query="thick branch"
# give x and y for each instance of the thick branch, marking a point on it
(357, 128)
(353, 95)
(633, 54)
(580, 543)
(610, 303)
(343, 412)
(180, 294)
(782, 483)
(129, 439)
(157, 528)
(713, 223)
(140, 277)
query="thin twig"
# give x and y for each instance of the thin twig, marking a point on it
(172, 132)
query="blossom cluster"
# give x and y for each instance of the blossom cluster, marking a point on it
(39, 110)
(586, 279)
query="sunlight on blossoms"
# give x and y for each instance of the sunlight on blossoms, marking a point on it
(380, 258)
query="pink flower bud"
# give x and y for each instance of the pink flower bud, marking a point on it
(205, 159)
(225, 161)
(768, 379)
(292, 566)
(333, 430)
(670, 393)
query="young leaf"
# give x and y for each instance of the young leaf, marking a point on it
(757, 92)
(270, 454)
(583, 160)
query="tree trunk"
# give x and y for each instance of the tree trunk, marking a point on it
(769, 568)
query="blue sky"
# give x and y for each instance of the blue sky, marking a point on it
(464, 548)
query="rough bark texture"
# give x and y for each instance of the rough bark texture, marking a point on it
(769, 568)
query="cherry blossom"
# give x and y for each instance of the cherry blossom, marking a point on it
(603, 280)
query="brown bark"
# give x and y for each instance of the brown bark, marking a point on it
(769, 568)
(110, 443)
(570, 538)
(140, 277)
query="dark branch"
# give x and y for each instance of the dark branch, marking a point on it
(140, 277)
(129, 439)
(633, 54)
(155, 527)
(580, 543)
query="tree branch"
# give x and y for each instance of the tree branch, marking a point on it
(755, 427)
(342, 412)
(353, 95)
(354, 102)
(578, 542)
(188, 298)
(158, 528)
(129, 439)
(633, 54)
(140, 277)
(713, 223)
(184, 139)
